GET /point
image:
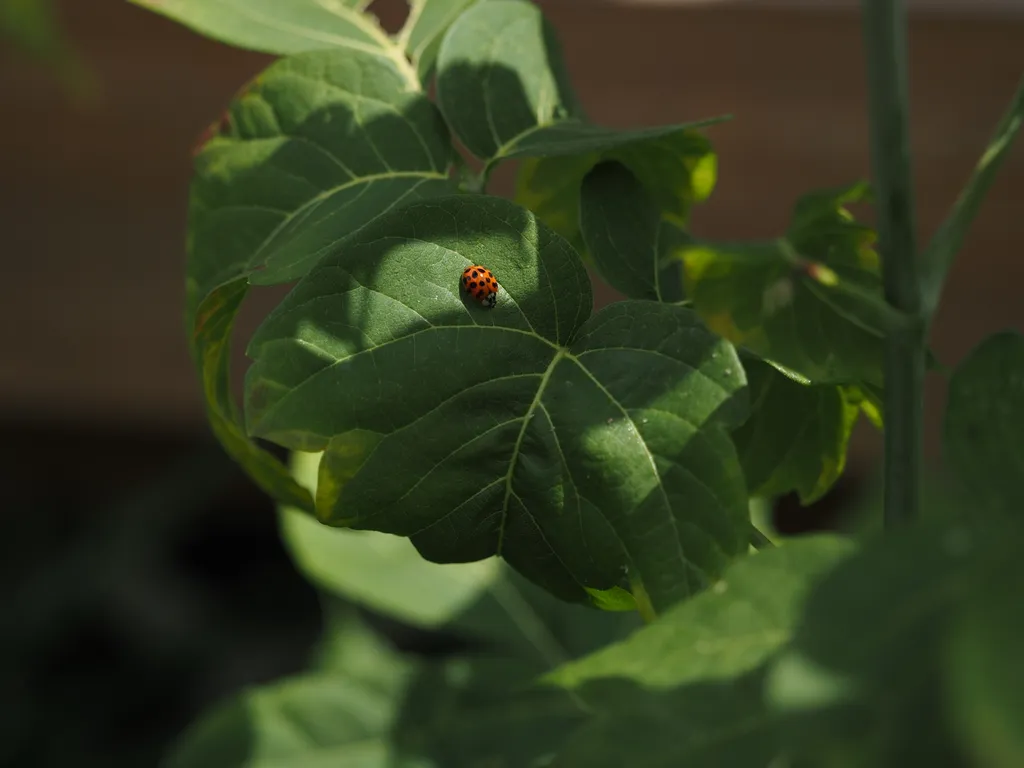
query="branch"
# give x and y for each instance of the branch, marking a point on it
(938, 256)
(885, 40)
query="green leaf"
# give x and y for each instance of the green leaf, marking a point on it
(312, 149)
(846, 628)
(295, 26)
(471, 712)
(797, 435)
(862, 671)
(505, 91)
(810, 302)
(366, 706)
(625, 234)
(424, 29)
(314, 721)
(722, 633)
(576, 447)
(486, 599)
(676, 168)
(685, 690)
(706, 725)
(315, 147)
(500, 76)
(210, 346)
(983, 440)
(985, 668)
(525, 621)
(383, 572)
(339, 717)
(570, 138)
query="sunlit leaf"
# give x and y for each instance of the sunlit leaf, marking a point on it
(425, 27)
(289, 26)
(590, 452)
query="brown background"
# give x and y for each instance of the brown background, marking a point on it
(92, 195)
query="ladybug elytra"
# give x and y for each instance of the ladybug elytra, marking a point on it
(479, 283)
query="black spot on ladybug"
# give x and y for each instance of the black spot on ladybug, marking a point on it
(475, 274)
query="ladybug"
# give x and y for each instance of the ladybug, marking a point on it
(479, 283)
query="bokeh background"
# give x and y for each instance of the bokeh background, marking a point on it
(143, 576)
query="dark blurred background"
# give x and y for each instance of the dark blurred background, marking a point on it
(143, 575)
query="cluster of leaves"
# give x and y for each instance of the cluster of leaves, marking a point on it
(819, 652)
(606, 457)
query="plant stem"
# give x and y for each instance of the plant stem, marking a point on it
(885, 41)
(758, 540)
(938, 256)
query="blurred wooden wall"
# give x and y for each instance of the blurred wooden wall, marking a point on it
(92, 196)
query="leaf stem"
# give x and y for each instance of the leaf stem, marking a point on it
(758, 540)
(942, 249)
(888, 316)
(528, 622)
(885, 41)
(643, 600)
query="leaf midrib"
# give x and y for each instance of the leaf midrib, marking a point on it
(254, 351)
(561, 353)
(387, 49)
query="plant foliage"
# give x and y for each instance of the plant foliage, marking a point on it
(479, 470)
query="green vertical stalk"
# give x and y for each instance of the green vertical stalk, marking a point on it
(885, 44)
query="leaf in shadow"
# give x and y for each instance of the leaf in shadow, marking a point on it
(342, 715)
(797, 435)
(368, 707)
(862, 674)
(626, 236)
(687, 689)
(505, 91)
(315, 147)
(983, 440)
(675, 165)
